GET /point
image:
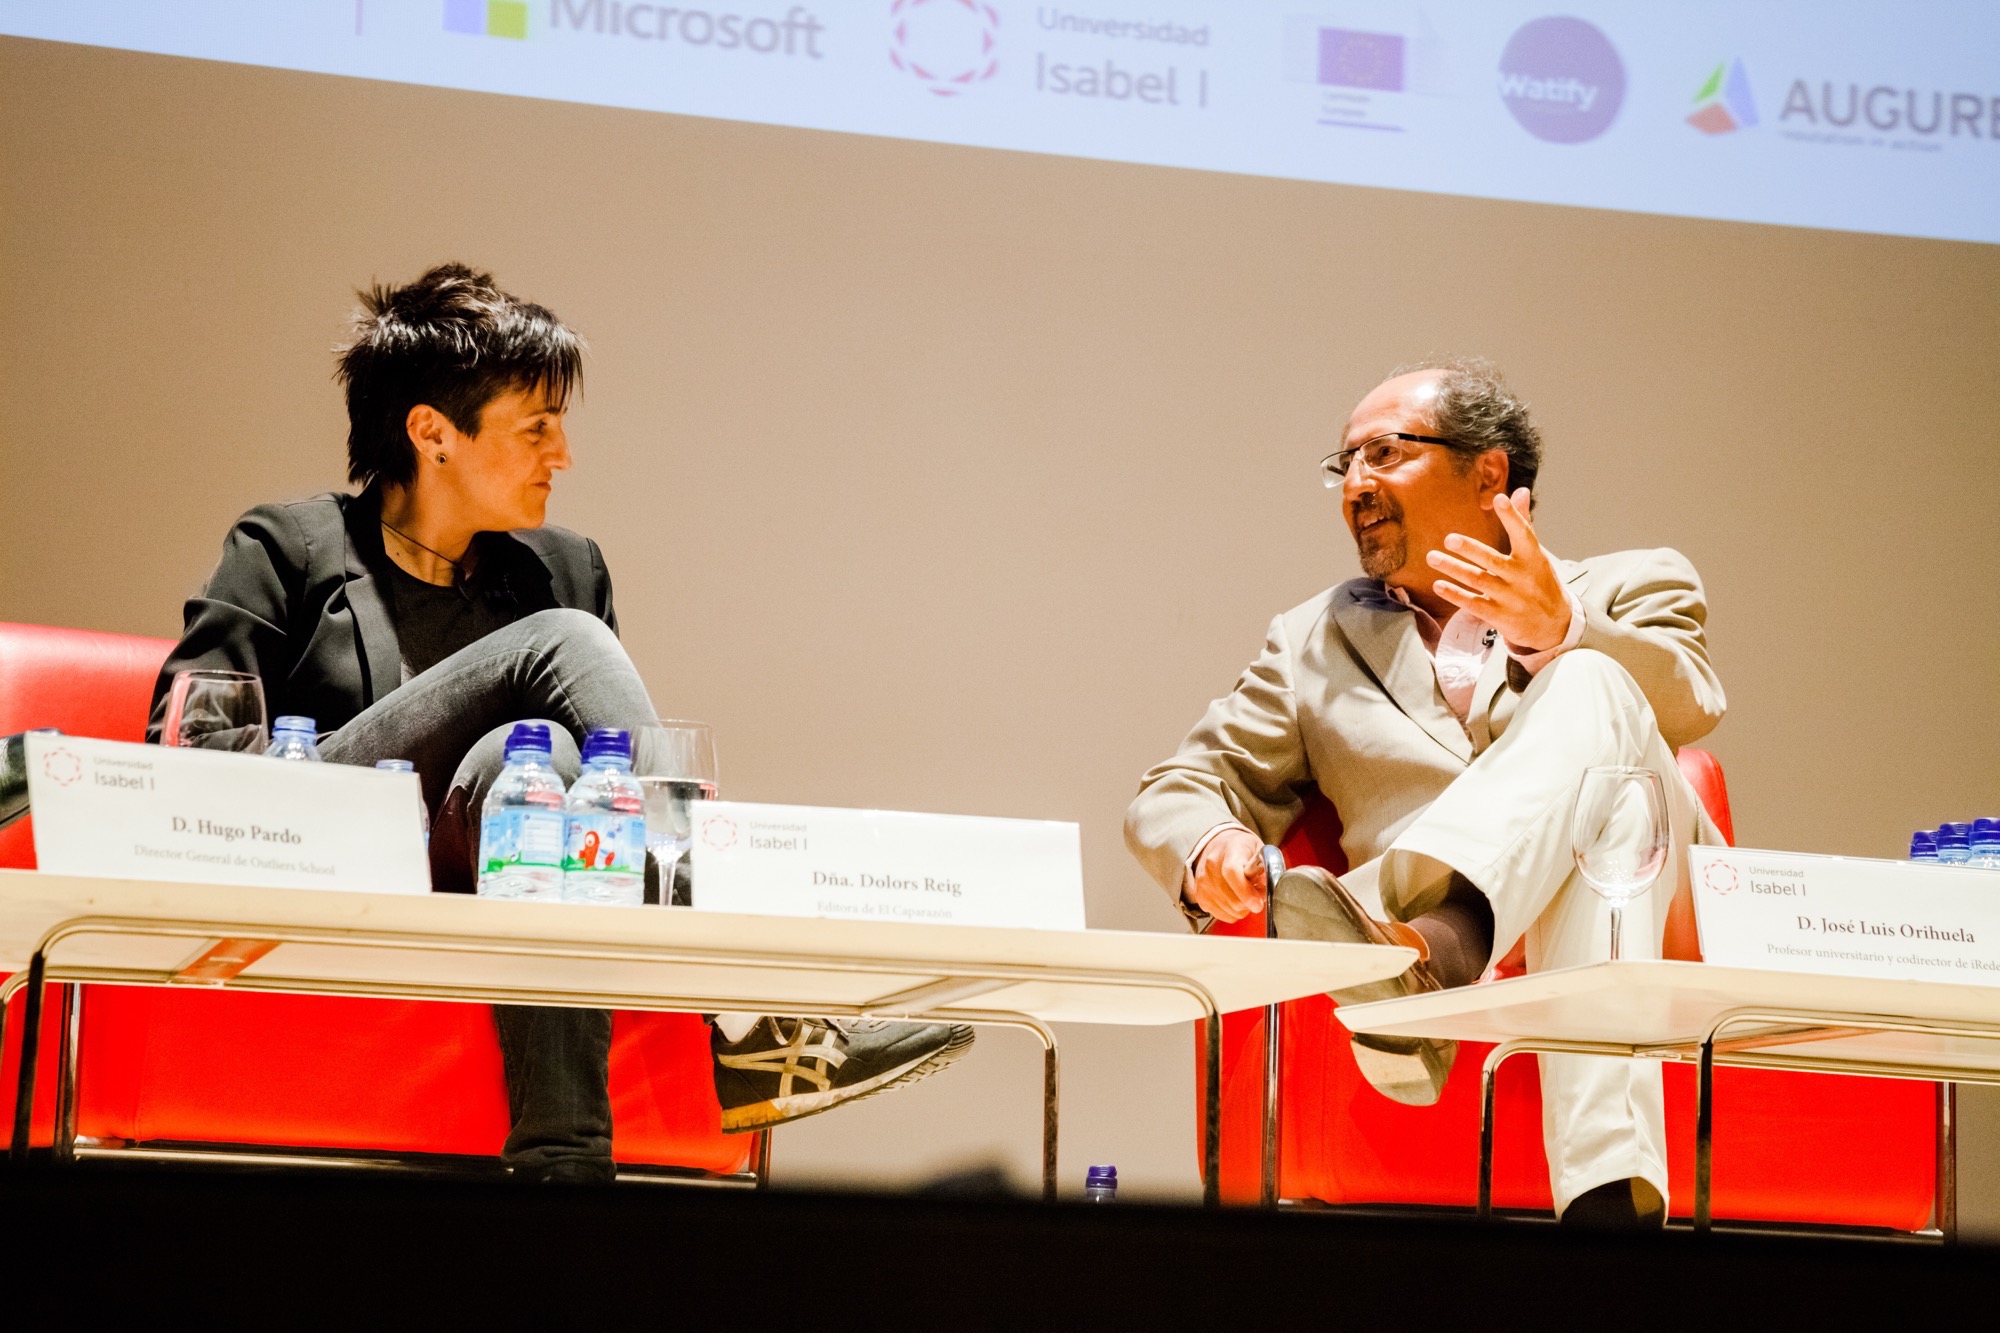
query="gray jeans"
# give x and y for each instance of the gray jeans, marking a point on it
(566, 668)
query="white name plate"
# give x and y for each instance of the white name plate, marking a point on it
(886, 865)
(1793, 912)
(125, 811)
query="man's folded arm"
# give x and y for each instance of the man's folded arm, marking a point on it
(1237, 767)
(1655, 629)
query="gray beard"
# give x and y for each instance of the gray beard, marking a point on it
(1381, 560)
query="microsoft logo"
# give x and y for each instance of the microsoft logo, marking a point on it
(1725, 104)
(490, 18)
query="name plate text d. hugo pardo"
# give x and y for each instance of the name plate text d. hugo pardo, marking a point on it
(886, 865)
(122, 811)
(1900, 920)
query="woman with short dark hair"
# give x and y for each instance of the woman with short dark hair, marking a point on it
(423, 617)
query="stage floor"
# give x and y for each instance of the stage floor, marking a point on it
(307, 1249)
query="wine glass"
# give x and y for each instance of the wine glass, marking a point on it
(678, 767)
(216, 710)
(1619, 835)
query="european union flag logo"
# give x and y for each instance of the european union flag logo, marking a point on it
(1349, 59)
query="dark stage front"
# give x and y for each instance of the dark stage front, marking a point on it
(287, 1250)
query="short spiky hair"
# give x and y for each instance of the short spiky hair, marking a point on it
(452, 340)
(1476, 409)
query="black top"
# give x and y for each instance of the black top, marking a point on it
(302, 599)
(433, 622)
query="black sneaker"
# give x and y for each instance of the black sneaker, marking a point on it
(786, 1068)
(568, 1171)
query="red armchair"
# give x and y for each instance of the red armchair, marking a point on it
(325, 1075)
(1343, 1143)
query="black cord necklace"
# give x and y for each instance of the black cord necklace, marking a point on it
(457, 570)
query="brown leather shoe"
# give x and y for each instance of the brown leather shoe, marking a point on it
(1309, 903)
(1630, 1204)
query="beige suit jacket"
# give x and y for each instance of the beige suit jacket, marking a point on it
(1345, 697)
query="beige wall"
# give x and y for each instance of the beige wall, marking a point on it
(948, 479)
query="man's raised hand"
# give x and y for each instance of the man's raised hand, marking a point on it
(1516, 592)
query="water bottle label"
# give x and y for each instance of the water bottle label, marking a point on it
(605, 843)
(520, 836)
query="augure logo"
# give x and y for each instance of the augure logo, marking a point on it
(487, 18)
(1562, 79)
(949, 46)
(1725, 103)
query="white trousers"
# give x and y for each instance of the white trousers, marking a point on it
(1505, 826)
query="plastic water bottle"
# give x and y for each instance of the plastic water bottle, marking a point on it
(604, 849)
(1100, 1185)
(521, 823)
(1923, 845)
(1954, 844)
(423, 811)
(294, 738)
(1985, 842)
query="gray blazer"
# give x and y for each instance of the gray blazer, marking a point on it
(1345, 698)
(301, 599)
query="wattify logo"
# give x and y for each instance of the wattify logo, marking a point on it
(948, 46)
(1725, 103)
(487, 18)
(1562, 79)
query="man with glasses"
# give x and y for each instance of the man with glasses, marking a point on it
(1447, 703)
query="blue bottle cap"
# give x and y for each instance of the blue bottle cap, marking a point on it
(1100, 1175)
(1923, 846)
(1953, 835)
(533, 736)
(396, 765)
(608, 743)
(1986, 830)
(293, 722)
(1965, 829)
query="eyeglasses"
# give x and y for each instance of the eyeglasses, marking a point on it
(1378, 454)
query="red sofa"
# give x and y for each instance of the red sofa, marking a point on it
(305, 1072)
(1343, 1143)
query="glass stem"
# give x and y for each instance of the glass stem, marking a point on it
(1617, 919)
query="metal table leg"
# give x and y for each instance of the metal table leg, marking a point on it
(1274, 1054)
(1946, 1193)
(1211, 1110)
(1487, 1073)
(1274, 1051)
(760, 1158)
(1704, 1132)
(1051, 1109)
(69, 1056)
(31, 1032)
(1811, 1024)
(1051, 1082)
